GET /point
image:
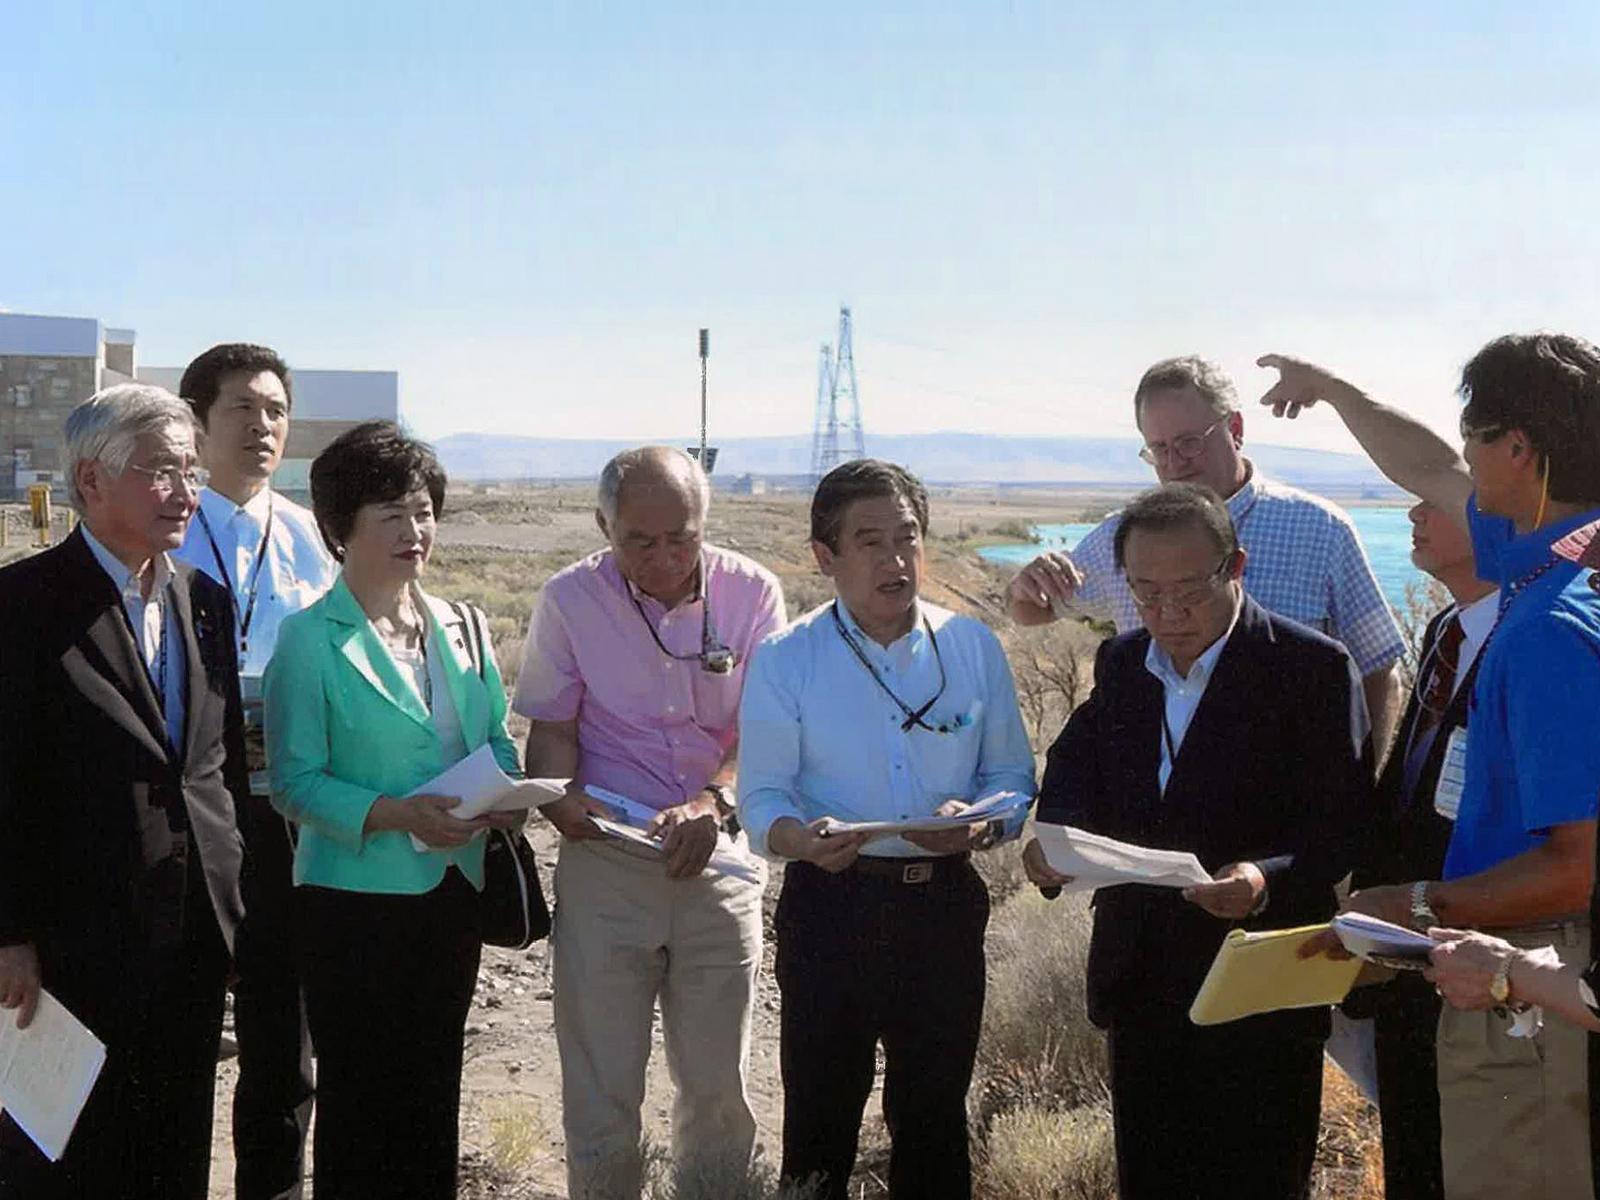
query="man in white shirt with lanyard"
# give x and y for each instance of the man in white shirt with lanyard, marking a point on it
(266, 551)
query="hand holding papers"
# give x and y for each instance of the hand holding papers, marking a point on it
(729, 858)
(47, 1072)
(998, 806)
(1263, 972)
(1094, 861)
(482, 787)
(1381, 942)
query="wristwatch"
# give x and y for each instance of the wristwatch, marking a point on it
(1500, 982)
(1423, 918)
(727, 810)
(992, 833)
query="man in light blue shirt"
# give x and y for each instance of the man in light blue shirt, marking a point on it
(878, 706)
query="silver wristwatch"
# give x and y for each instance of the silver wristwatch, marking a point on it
(1423, 918)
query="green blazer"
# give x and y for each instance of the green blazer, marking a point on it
(345, 726)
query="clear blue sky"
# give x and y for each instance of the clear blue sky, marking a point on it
(528, 209)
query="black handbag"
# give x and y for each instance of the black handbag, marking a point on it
(511, 909)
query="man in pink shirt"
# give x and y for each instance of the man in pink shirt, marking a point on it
(632, 676)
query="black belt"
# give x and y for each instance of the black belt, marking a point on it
(909, 870)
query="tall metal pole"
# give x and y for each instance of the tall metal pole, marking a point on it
(705, 353)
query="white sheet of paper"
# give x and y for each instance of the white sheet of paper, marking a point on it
(1096, 861)
(631, 812)
(1365, 936)
(729, 858)
(483, 787)
(47, 1072)
(1000, 804)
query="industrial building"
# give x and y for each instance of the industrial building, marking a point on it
(48, 364)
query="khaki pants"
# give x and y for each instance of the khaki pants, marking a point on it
(625, 936)
(1515, 1111)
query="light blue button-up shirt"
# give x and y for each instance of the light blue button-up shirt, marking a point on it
(818, 738)
(155, 630)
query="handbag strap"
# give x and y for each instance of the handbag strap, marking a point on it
(470, 616)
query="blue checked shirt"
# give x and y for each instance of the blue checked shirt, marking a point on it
(1304, 562)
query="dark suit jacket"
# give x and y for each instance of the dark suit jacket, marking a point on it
(99, 816)
(1275, 769)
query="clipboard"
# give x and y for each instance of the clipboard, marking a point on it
(1261, 972)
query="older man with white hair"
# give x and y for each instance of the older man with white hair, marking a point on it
(121, 763)
(632, 676)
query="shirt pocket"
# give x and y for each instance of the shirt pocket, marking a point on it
(946, 763)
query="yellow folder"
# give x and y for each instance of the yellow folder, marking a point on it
(1260, 972)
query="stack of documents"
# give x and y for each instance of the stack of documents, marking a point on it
(999, 806)
(1263, 972)
(482, 787)
(731, 858)
(1095, 861)
(1379, 941)
(47, 1072)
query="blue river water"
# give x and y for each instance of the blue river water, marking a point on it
(1385, 531)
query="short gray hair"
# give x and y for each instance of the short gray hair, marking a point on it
(660, 458)
(1188, 370)
(106, 427)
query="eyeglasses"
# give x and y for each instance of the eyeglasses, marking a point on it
(166, 479)
(1187, 598)
(1186, 446)
(1483, 433)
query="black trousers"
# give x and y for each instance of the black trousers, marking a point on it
(273, 1099)
(863, 959)
(1216, 1112)
(145, 1133)
(388, 981)
(1405, 1027)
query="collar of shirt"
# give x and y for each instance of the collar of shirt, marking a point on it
(1159, 663)
(223, 514)
(1526, 552)
(610, 568)
(898, 654)
(1249, 492)
(1477, 619)
(127, 583)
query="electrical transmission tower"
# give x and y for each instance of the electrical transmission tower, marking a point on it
(838, 436)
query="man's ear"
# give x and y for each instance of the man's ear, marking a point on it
(1236, 427)
(89, 475)
(1236, 567)
(824, 557)
(600, 520)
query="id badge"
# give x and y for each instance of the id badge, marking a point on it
(1452, 776)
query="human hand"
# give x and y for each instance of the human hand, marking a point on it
(1390, 902)
(428, 819)
(833, 853)
(19, 981)
(1463, 964)
(1300, 385)
(570, 814)
(950, 841)
(1039, 871)
(1032, 595)
(1325, 943)
(509, 820)
(1233, 893)
(688, 835)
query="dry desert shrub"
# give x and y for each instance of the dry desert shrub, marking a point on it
(1350, 1145)
(1049, 1154)
(1038, 1049)
(711, 1177)
(517, 1137)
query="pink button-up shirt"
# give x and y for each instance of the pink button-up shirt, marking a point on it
(651, 727)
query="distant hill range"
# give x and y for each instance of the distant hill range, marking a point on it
(960, 458)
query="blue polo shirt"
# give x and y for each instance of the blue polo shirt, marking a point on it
(1533, 742)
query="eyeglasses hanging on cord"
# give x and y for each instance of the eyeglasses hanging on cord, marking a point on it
(713, 657)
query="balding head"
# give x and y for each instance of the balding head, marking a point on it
(652, 509)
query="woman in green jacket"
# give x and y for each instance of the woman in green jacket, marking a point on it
(372, 692)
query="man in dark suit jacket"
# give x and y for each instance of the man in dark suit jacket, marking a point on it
(121, 759)
(1240, 736)
(1409, 840)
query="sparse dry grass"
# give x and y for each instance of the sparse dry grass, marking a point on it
(1049, 1154)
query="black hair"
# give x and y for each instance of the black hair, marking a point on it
(374, 463)
(859, 480)
(1548, 386)
(202, 379)
(1172, 506)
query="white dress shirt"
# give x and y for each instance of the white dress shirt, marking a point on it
(155, 630)
(1183, 693)
(817, 737)
(225, 540)
(1477, 620)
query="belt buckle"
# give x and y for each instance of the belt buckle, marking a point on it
(918, 872)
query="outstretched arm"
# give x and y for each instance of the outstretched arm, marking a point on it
(1413, 456)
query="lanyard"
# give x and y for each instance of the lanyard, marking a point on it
(713, 655)
(1509, 593)
(248, 612)
(913, 717)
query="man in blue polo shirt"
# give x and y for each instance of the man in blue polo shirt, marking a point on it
(1523, 788)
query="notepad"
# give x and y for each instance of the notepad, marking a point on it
(47, 1072)
(1262, 972)
(998, 806)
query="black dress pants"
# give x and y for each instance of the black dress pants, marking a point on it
(273, 1099)
(388, 981)
(145, 1133)
(864, 958)
(1216, 1112)
(1405, 1027)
